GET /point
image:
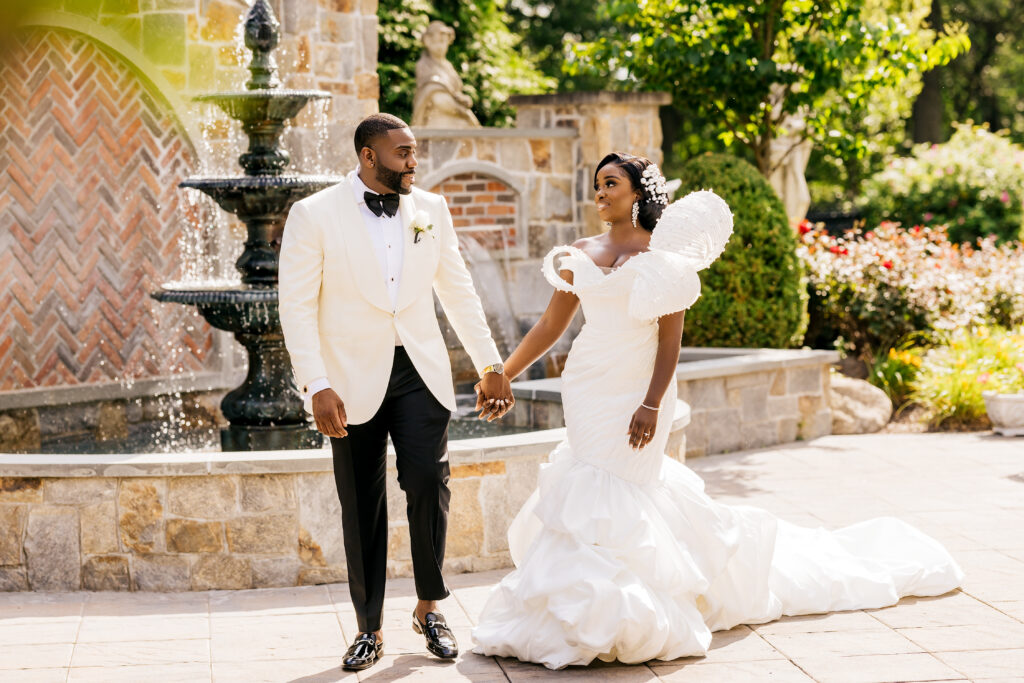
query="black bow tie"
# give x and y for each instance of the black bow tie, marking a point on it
(382, 203)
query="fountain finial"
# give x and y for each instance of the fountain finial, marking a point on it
(262, 34)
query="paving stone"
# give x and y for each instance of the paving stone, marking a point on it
(880, 642)
(985, 663)
(31, 655)
(986, 636)
(874, 668)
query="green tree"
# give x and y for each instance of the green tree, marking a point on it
(747, 65)
(486, 53)
(548, 27)
(985, 83)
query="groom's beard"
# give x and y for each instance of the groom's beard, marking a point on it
(392, 179)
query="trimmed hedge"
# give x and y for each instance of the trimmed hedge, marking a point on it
(755, 295)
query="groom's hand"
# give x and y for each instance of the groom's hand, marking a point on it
(329, 413)
(493, 396)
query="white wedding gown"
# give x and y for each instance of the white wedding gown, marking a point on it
(620, 555)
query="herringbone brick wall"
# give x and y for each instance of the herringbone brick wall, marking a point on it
(89, 221)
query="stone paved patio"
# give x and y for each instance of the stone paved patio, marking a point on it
(965, 489)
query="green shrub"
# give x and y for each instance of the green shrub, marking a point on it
(895, 372)
(754, 295)
(953, 375)
(974, 184)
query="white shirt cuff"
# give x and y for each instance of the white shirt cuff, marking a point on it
(316, 386)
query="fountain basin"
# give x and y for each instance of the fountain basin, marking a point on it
(263, 104)
(223, 520)
(231, 308)
(253, 196)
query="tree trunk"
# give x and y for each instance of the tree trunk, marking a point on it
(927, 116)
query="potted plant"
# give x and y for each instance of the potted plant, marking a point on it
(1005, 406)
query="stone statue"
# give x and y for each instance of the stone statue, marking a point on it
(789, 156)
(439, 101)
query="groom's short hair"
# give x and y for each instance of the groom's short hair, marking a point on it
(373, 126)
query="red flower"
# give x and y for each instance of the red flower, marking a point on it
(805, 227)
(887, 264)
(834, 249)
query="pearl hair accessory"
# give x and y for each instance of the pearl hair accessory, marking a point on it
(655, 185)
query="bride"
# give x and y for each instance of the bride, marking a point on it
(619, 553)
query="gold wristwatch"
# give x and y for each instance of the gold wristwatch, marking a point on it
(498, 368)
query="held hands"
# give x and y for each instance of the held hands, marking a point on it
(493, 396)
(329, 413)
(642, 426)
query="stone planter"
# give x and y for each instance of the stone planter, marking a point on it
(1006, 412)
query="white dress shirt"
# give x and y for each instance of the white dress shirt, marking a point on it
(387, 237)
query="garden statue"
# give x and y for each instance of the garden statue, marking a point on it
(439, 101)
(789, 156)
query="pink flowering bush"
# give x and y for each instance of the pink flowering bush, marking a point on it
(875, 288)
(974, 184)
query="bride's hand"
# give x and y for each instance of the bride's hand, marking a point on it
(642, 426)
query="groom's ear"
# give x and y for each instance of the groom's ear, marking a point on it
(367, 156)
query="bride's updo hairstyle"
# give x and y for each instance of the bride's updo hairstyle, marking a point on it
(651, 205)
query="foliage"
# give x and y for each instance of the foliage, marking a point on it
(549, 26)
(882, 123)
(953, 376)
(485, 53)
(974, 184)
(877, 287)
(754, 295)
(895, 372)
(748, 65)
(985, 84)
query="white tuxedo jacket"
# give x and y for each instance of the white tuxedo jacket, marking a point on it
(336, 314)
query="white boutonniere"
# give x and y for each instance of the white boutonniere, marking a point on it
(421, 224)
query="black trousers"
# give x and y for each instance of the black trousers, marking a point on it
(418, 426)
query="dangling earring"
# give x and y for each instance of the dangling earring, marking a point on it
(636, 211)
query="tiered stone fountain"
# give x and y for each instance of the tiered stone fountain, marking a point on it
(265, 412)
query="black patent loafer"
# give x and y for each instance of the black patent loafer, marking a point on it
(364, 653)
(440, 640)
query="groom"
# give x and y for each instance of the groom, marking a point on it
(359, 262)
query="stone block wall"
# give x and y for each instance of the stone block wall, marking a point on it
(230, 531)
(756, 409)
(606, 122)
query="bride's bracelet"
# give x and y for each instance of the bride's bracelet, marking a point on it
(644, 405)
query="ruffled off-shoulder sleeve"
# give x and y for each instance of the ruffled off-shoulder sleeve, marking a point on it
(665, 283)
(574, 260)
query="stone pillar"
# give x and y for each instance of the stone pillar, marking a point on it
(607, 122)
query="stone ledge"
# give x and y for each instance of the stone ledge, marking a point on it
(600, 97)
(108, 391)
(709, 363)
(492, 133)
(508, 446)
